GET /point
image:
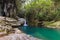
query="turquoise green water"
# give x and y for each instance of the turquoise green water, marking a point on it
(42, 33)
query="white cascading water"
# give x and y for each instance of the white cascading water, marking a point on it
(25, 24)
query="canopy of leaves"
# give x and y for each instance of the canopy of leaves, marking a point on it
(41, 9)
(40, 4)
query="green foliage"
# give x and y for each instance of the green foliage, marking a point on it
(18, 4)
(41, 9)
(45, 10)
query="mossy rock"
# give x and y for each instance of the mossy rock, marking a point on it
(52, 24)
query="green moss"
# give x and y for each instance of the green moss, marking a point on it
(52, 24)
(48, 23)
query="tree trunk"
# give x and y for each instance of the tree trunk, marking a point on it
(9, 8)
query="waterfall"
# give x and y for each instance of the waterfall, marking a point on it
(25, 23)
(23, 20)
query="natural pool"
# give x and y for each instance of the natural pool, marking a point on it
(42, 33)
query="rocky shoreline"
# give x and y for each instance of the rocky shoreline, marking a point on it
(17, 35)
(7, 32)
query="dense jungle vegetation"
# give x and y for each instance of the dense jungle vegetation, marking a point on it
(37, 12)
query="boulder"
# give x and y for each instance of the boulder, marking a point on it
(10, 21)
(21, 36)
